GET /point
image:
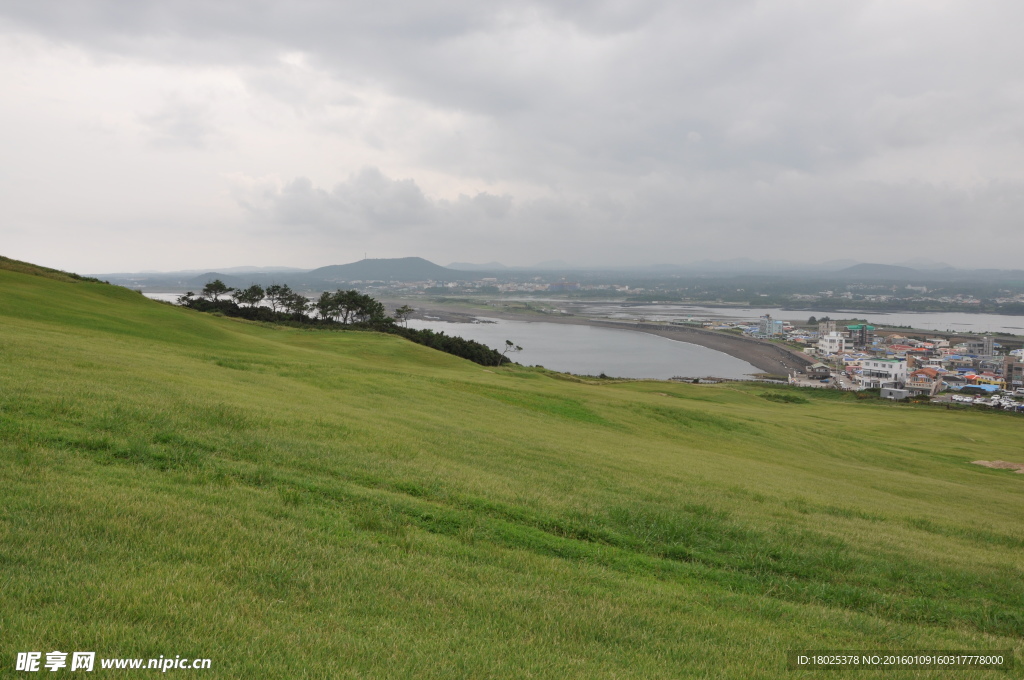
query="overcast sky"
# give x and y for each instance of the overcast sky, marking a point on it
(137, 134)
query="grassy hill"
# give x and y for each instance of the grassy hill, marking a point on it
(8, 264)
(295, 504)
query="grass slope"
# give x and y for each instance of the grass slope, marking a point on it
(314, 504)
(36, 270)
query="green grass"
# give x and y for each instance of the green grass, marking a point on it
(295, 503)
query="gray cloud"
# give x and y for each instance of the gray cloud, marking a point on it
(866, 220)
(180, 125)
(366, 200)
(682, 123)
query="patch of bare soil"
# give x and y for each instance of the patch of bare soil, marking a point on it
(1000, 465)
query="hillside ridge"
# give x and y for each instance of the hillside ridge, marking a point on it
(13, 265)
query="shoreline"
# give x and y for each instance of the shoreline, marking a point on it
(765, 356)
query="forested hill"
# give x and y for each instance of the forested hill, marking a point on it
(393, 269)
(881, 271)
(324, 278)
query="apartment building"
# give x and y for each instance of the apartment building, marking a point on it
(879, 372)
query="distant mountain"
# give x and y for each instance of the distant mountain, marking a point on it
(331, 276)
(418, 269)
(470, 267)
(185, 273)
(261, 270)
(744, 265)
(552, 264)
(324, 278)
(878, 271)
(203, 279)
(395, 269)
(924, 264)
(836, 264)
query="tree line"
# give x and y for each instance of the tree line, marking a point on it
(340, 309)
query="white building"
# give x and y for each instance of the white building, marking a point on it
(879, 372)
(769, 327)
(832, 343)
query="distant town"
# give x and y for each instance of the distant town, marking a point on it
(861, 287)
(861, 357)
(908, 296)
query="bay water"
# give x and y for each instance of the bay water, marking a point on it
(590, 350)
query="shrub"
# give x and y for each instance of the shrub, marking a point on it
(783, 398)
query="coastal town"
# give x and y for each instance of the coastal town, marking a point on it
(899, 365)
